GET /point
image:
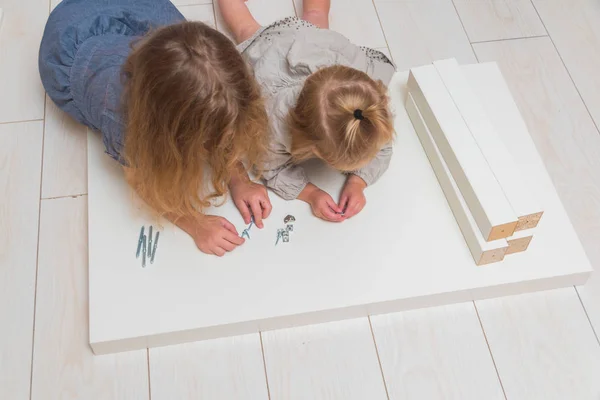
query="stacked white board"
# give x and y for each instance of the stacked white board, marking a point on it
(404, 251)
(469, 158)
(505, 170)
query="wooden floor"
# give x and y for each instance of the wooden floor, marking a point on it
(535, 346)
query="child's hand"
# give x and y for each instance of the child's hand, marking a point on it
(251, 199)
(321, 203)
(353, 198)
(215, 235)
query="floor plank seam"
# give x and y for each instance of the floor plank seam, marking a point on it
(387, 393)
(387, 43)
(566, 68)
(73, 196)
(37, 257)
(149, 380)
(464, 30)
(24, 120)
(212, 3)
(587, 315)
(490, 350)
(262, 350)
(509, 39)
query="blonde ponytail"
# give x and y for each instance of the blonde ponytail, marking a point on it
(341, 116)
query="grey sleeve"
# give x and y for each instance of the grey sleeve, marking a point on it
(380, 67)
(371, 172)
(287, 181)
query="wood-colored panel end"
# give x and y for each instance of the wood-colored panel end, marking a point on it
(492, 256)
(518, 245)
(502, 231)
(529, 221)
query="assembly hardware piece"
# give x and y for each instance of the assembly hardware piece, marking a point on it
(146, 247)
(279, 235)
(246, 232)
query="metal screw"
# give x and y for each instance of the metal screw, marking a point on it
(139, 246)
(154, 248)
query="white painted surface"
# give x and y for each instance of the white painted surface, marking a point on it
(575, 30)
(180, 3)
(436, 353)
(477, 244)
(272, 282)
(471, 171)
(420, 32)
(21, 92)
(65, 154)
(486, 20)
(556, 117)
(337, 360)
(488, 139)
(543, 346)
(63, 364)
(228, 368)
(20, 171)
(264, 11)
(202, 12)
(355, 19)
(561, 127)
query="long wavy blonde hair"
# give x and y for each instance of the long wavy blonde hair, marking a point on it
(342, 117)
(191, 104)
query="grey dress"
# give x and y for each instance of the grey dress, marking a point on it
(283, 55)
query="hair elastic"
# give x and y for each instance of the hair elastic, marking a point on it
(358, 114)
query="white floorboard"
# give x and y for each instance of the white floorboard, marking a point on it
(63, 364)
(20, 171)
(565, 137)
(21, 91)
(542, 343)
(203, 13)
(264, 11)
(65, 154)
(408, 27)
(486, 20)
(336, 360)
(190, 2)
(436, 353)
(355, 19)
(543, 346)
(229, 368)
(575, 30)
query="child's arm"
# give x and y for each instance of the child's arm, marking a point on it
(250, 198)
(323, 206)
(212, 234)
(238, 19)
(316, 12)
(352, 199)
(371, 172)
(290, 182)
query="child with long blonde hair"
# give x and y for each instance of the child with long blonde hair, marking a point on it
(171, 99)
(326, 98)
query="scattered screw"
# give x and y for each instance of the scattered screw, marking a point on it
(144, 253)
(154, 248)
(246, 232)
(139, 246)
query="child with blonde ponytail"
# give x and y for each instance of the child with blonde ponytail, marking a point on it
(326, 98)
